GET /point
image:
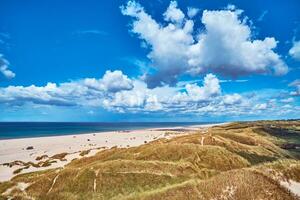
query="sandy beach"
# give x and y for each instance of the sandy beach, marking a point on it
(34, 154)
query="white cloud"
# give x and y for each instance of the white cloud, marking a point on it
(192, 12)
(230, 7)
(153, 104)
(18, 95)
(174, 14)
(132, 98)
(168, 43)
(296, 85)
(234, 80)
(197, 95)
(165, 98)
(261, 106)
(111, 82)
(225, 46)
(210, 88)
(85, 92)
(204, 99)
(287, 100)
(295, 50)
(232, 99)
(4, 68)
(141, 99)
(287, 106)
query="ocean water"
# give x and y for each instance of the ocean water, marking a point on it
(10, 130)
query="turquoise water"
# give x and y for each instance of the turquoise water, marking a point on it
(10, 130)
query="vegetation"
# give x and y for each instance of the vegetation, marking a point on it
(84, 152)
(60, 156)
(247, 160)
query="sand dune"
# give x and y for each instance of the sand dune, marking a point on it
(17, 149)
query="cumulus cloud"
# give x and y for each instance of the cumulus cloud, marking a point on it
(115, 91)
(225, 46)
(168, 43)
(4, 70)
(165, 98)
(295, 50)
(65, 94)
(232, 99)
(111, 82)
(210, 88)
(173, 14)
(86, 92)
(134, 98)
(197, 99)
(203, 98)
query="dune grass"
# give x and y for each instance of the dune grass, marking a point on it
(235, 161)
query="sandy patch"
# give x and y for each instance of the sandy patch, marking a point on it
(292, 186)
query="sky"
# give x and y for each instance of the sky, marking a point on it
(208, 60)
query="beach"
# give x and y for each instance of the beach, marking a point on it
(240, 160)
(33, 154)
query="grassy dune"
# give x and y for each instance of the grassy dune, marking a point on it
(246, 160)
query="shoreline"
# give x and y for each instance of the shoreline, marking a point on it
(40, 153)
(106, 131)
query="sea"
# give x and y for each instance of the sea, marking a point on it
(12, 130)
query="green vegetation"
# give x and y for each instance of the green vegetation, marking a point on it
(237, 161)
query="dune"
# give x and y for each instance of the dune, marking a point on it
(35, 154)
(245, 160)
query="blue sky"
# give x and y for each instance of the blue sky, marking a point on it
(149, 60)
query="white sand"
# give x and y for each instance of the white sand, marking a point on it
(15, 149)
(292, 186)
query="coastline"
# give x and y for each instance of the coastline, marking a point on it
(21, 130)
(51, 148)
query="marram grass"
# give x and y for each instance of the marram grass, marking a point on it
(235, 161)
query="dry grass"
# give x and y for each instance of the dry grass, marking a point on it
(236, 184)
(236, 161)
